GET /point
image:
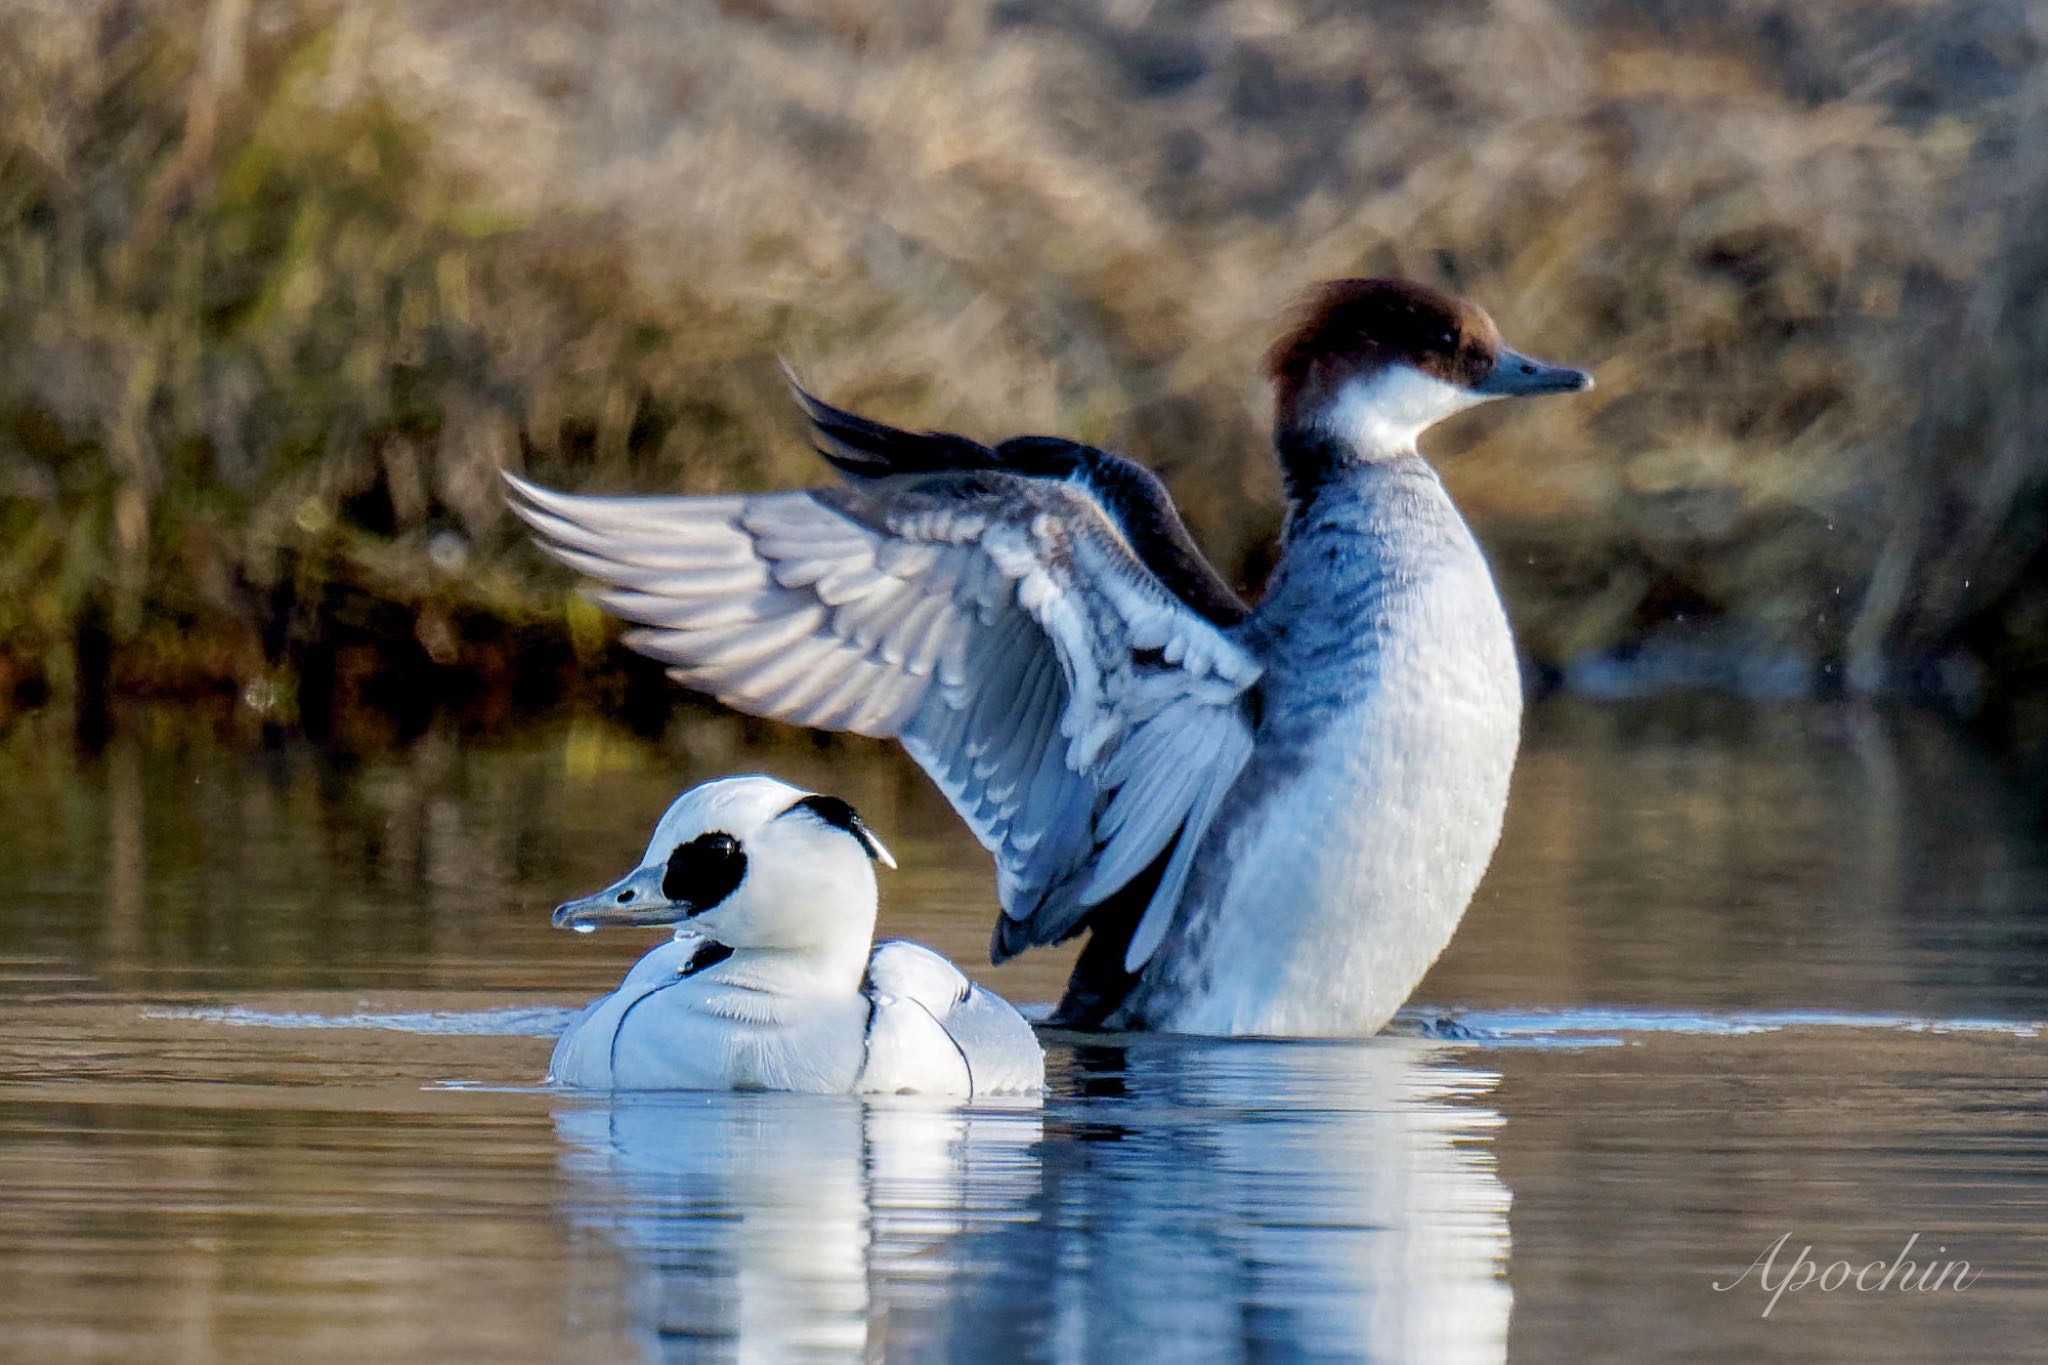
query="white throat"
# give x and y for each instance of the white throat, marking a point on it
(802, 922)
(1385, 413)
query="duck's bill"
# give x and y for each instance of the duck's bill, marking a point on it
(635, 899)
(1519, 376)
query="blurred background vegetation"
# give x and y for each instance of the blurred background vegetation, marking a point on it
(284, 283)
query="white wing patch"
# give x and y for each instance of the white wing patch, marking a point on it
(1080, 717)
(933, 1031)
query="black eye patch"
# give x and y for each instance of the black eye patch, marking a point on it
(704, 871)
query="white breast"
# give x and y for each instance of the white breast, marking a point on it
(704, 1031)
(1341, 886)
(917, 1026)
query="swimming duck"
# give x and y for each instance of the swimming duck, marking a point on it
(773, 980)
(1268, 821)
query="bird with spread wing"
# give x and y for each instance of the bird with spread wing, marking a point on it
(1146, 758)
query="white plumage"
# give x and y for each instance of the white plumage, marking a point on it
(773, 982)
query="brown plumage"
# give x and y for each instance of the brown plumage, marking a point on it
(1348, 328)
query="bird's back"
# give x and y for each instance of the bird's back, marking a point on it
(935, 1032)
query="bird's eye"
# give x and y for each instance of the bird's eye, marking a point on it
(704, 871)
(1447, 341)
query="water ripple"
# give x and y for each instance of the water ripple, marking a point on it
(528, 1021)
(1599, 1026)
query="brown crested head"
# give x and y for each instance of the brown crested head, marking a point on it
(1349, 328)
(1370, 364)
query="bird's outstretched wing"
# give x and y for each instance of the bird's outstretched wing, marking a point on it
(1084, 720)
(1131, 495)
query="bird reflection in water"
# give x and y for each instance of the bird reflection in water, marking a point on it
(1175, 1198)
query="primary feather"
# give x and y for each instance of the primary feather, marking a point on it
(999, 623)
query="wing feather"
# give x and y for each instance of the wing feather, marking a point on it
(992, 622)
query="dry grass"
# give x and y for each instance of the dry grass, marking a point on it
(283, 285)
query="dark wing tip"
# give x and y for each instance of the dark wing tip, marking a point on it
(1010, 938)
(872, 450)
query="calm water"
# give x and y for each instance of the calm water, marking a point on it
(270, 1028)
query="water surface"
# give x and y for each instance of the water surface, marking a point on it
(271, 1026)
